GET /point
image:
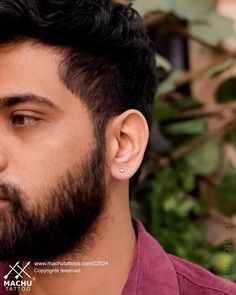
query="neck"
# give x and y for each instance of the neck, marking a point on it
(114, 249)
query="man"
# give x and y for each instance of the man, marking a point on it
(77, 80)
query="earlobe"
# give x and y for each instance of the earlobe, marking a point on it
(130, 131)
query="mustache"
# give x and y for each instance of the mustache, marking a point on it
(11, 193)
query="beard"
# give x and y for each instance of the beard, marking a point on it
(66, 218)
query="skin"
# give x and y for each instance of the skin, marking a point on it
(36, 150)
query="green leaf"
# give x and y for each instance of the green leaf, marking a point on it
(223, 25)
(185, 9)
(165, 6)
(222, 261)
(163, 63)
(188, 206)
(225, 194)
(218, 69)
(170, 204)
(169, 84)
(186, 103)
(144, 6)
(190, 127)
(189, 183)
(226, 91)
(206, 158)
(204, 32)
(191, 9)
(231, 137)
(213, 29)
(164, 110)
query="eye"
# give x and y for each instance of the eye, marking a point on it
(20, 120)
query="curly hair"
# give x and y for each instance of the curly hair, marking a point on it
(108, 58)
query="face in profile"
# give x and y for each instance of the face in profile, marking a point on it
(52, 165)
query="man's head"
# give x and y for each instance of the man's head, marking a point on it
(77, 79)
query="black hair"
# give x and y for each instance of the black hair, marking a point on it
(108, 58)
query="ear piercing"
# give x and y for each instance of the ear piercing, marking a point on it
(122, 170)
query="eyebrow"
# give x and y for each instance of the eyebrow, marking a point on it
(15, 99)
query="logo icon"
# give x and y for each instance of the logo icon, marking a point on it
(18, 270)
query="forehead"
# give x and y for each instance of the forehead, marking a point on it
(29, 67)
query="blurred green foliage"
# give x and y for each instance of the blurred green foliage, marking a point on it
(194, 172)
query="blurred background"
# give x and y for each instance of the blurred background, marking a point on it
(186, 195)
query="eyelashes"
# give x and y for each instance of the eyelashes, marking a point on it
(21, 120)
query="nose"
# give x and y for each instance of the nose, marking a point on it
(3, 160)
(5, 143)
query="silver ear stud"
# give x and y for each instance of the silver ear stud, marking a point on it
(122, 170)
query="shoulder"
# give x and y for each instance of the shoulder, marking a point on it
(196, 280)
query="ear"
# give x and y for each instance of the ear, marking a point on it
(127, 140)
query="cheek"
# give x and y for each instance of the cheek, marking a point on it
(42, 161)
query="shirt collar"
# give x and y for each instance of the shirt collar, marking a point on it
(152, 272)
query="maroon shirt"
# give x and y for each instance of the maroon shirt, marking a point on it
(155, 272)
